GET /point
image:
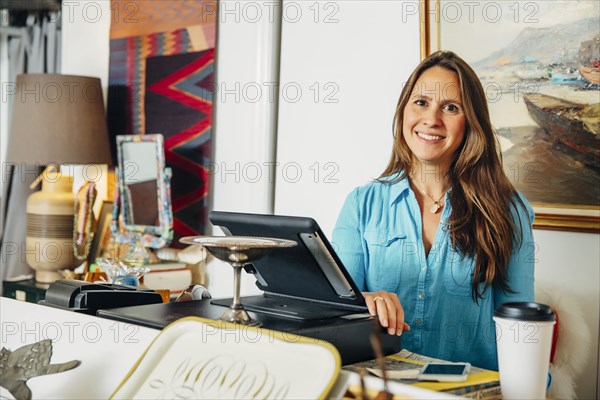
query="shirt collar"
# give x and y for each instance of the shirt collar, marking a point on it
(398, 188)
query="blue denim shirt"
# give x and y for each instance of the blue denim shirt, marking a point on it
(378, 237)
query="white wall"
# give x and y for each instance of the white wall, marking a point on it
(244, 139)
(244, 123)
(348, 62)
(85, 49)
(569, 263)
(85, 39)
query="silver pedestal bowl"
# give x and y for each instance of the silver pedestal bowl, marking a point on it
(238, 251)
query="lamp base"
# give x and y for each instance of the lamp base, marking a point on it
(47, 276)
(48, 256)
(50, 221)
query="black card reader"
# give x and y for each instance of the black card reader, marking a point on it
(88, 297)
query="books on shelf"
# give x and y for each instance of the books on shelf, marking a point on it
(402, 367)
(172, 276)
(166, 266)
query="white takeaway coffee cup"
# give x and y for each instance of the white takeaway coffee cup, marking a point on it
(524, 342)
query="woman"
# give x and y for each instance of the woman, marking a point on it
(441, 238)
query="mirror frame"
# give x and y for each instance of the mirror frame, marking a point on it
(151, 236)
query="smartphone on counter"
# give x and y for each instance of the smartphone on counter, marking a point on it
(445, 372)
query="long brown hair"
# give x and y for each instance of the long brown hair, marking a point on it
(481, 224)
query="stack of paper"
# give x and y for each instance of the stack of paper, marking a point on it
(404, 367)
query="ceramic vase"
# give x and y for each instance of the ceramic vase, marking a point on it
(49, 237)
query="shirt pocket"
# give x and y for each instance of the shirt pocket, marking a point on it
(385, 255)
(458, 275)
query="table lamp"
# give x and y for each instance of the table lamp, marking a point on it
(56, 120)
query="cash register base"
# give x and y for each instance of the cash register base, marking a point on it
(349, 334)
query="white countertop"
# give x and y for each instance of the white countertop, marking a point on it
(107, 349)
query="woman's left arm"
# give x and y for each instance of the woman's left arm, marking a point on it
(522, 262)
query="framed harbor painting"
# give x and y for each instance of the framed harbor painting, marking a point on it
(539, 63)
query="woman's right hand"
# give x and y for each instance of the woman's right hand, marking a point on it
(387, 306)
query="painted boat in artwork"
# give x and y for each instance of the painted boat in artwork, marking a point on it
(576, 126)
(591, 74)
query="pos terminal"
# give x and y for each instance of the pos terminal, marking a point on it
(306, 290)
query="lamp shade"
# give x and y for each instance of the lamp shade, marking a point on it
(58, 119)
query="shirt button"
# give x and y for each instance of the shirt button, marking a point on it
(421, 295)
(382, 241)
(424, 269)
(419, 322)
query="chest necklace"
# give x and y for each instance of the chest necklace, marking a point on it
(437, 204)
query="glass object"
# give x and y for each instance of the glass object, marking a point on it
(121, 274)
(134, 253)
(238, 251)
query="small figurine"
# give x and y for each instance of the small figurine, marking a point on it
(27, 362)
(119, 273)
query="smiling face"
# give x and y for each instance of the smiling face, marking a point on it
(433, 123)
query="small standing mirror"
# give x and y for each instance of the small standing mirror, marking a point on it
(142, 207)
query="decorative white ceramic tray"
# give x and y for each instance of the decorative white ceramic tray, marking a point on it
(197, 358)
